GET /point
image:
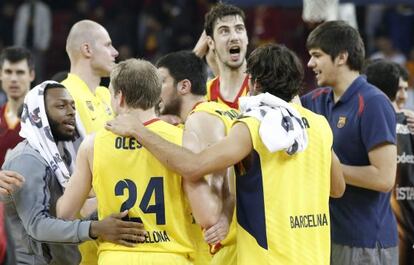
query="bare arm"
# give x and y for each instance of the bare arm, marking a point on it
(380, 175)
(201, 131)
(202, 50)
(337, 178)
(225, 153)
(201, 47)
(80, 182)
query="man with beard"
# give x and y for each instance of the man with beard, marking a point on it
(284, 184)
(225, 40)
(183, 92)
(48, 126)
(134, 179)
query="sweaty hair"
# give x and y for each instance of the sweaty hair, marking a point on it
(186, 65)
(139, 82)
(385, 75)
(217, 12)
(277, 70)
(15, 54)
(334, 37)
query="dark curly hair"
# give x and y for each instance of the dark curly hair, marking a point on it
(277, 70)
(219, 11)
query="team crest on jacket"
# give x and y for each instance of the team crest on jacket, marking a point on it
(341, 122)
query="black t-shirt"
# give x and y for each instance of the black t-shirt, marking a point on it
(404, 184)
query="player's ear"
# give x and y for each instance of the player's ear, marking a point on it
(85, 50)
(184, 87)
(211, 44)
(342, 58)
(120, 98)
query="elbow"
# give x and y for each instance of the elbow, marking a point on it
(193, 173)
(388, 182)
(386, 186)
(338, 192)
(338, 185)
(60, 213)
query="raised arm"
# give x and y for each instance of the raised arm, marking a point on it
(80, 183)
(225, 153)
(202, 50)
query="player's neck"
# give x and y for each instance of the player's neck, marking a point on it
(87, 75)
(231, 81)
(343, 81)
(143, 115)
(396, 108)
(188, 105)
(13, 106)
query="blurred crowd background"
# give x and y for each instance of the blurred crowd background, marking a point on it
(150, 28)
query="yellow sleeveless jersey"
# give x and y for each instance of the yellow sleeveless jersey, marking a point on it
(128, 176)
(213, 92)
(228, 116)
(93, 110)
(283, 200)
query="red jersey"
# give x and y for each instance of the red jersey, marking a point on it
(9, 134)
(213, 92)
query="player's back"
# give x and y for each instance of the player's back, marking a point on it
(283, 200)
(128, 176)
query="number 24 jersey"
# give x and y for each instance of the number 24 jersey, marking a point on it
(127, 176)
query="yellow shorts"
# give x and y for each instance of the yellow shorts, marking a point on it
(226, 255)
(89, 252)
(144, 258)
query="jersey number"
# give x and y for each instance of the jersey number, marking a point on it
(155, 186)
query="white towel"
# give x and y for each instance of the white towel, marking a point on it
(281, 126)
(35, 128)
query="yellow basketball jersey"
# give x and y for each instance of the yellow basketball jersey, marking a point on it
(283, 200)
(213, 92)
(128, 176)
(228, 116)
(93, 110)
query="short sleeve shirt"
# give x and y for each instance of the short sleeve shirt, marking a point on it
(361, 119)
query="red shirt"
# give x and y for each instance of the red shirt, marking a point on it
(9, 134)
